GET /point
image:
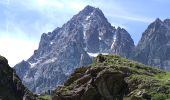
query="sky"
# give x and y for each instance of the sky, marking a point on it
(23, 21)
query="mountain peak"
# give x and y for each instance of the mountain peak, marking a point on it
(122, 43)
(153, 48)
(158, 20)
(167, 21)
(118, 28)
(154, 26)
(89, 11)
(122, 32)
(69, 47)
(88, 7)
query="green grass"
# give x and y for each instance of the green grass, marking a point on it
(163, 76)
(45, 97)
(146, 74)
(123, 62)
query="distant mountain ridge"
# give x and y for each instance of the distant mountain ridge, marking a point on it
(154, 47)
(73, 45)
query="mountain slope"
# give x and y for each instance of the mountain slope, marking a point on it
(122, 44)
(154, 46)
(111, 77)
(11, 87)
(69, 47)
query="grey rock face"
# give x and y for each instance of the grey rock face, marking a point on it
(68, 47)
(122, 44)
(154, 46)
(22, 68)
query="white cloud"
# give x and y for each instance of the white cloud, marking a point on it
(15, 50)
(132, 18)
(51, 5)
(77, 6)
(15, 43)
(48, 3)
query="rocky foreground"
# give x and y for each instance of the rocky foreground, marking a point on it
(111, 77)
(11, 87)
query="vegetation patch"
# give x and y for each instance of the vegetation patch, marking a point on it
(45, 97)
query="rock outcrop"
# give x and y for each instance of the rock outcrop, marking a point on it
(11, 87)
(111, 77)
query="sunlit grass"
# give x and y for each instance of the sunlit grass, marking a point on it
(163, 76)
(45, 97)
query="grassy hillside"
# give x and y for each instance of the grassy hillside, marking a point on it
(111, 77)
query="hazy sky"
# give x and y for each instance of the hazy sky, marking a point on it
(23, 21)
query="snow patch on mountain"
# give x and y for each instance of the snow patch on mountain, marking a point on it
(50, 60)
(100, 38)
(86, 26)
(51, 43)
(114, 40)
(96, 54)
(88, 17)
(33, 64)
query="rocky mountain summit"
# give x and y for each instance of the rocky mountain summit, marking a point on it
(11, 87)
(73, 45)
(111, 77)
(154, 46)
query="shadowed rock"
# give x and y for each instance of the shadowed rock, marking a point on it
(11, 87)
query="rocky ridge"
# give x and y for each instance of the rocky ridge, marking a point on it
(154, 47)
